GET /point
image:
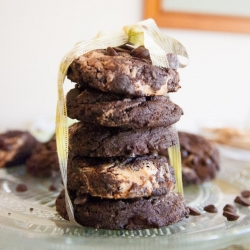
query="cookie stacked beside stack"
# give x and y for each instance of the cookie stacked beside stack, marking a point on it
(117, 178)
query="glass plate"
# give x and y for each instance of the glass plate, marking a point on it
(29, 218)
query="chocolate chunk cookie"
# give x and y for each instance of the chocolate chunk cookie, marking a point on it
(122, 73)
(120, 178)
(138, 213)
(99, 141)
(15, 147)
(43, 161)
(200, 158)
(113, 110)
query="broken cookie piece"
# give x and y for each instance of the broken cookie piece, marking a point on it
(15, 147)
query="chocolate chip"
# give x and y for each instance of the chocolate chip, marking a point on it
(173, 60)
(52, 187)
(229, 208)
(140, 52)
(123, 48)
(72, 94)
(231, 216)
(242, 201)
(111, 52)
(21, 188)
(122, 84)
(210, 209)
(81, 200)
(245, 193)
(193, 211)
(31, 209)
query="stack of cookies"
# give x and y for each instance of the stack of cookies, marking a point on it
(117, 177)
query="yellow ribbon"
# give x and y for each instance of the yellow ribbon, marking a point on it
(143, 33)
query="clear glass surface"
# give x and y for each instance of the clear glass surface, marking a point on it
(29, 218)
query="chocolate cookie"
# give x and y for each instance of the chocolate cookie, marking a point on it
(200, 158)
(138, 213)
(120, 178)
(43, 160)
(15, 147)
(99, 141)
(122, 73)
(113, 110)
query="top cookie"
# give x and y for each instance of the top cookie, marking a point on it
(123, 72)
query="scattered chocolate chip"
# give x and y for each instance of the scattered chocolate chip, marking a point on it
(237, 199)
(173, 60)
(193, 211)
(140, 52)
(229, 208)
(21, 188)
(52, 187)
(245, 193)
(242, 201)
(210, 209)
(231, 216)
(81, 200)
(111, 52)
(31, 209)
(9, 213)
